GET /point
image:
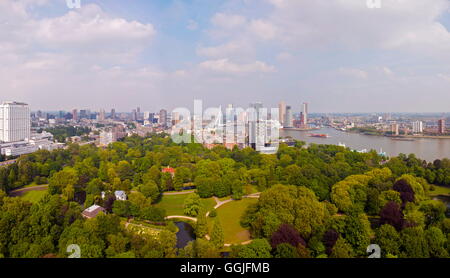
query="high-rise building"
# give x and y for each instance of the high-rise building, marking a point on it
(75, 115)
(441, 126)
(305, 114)
(282, 112)
(113, 114)
(84, 114)
(417, 127)
(134, 115)
(163, 118)
(256, 125)
(146, 115)
(101, 115)
(395, 129)
(15, 121)
(289, 119)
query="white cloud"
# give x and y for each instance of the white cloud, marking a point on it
(225, 66)
(263, 29)
(356, 73)
(226, 50)
(445, 77)
(90, 28)
(228, 21)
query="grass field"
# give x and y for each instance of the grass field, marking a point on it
(34, 196)
(440, 190)
(174, 204)
(230, 216)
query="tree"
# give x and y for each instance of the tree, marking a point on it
(388, 239)
(436, 242)
(192, 205)
(153, 214)
(122, 208)
(217, 236)
(150, 190)
(286, 234)
(199, 248)
(414, 243)
(285, 251)
(434, 211)
(205, 186)
(342, 249)
(329, 240)
(357, 232)
(201, 227)
(257, 249)
(59, 181)
(310, 214)
(392, 215)
(124, 170)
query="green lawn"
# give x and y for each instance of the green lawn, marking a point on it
(440, 190)
(174, 204)
(34, 196)
(230, 216)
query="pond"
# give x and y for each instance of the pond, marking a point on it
(185, 234)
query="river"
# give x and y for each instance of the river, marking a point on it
(424, 148)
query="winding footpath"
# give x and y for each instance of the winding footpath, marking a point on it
(219, 203)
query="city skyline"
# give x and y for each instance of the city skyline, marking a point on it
(165, 54)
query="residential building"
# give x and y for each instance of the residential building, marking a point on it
(395, 129)
(289, 119)
(441, 126)
(163, 118)
(417, 127)
(92, 211)
(120, 195)
(15, 121)
(282, 112)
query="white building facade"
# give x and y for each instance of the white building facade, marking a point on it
(417, 127)
(15, 122)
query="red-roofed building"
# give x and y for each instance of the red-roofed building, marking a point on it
(169, 170)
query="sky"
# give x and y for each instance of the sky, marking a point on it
(337, 55)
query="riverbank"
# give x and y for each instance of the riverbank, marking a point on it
(399, 136)
(424, 148)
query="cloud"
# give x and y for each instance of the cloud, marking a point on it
(226, 50)
(228, 21)
(263, 29)
(89, 28)
(225, 66)
(356, 73)
(443, 76)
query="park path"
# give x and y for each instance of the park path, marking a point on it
(23, 190)
(182, 217)
(8, 162)
(178, 193)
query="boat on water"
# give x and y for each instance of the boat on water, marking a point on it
(403, 139)
(342, 145)
(318, 135)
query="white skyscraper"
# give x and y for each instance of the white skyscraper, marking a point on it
(417, 127)
(15, 121)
